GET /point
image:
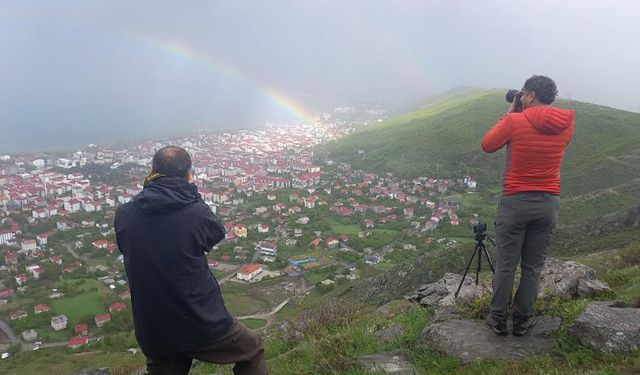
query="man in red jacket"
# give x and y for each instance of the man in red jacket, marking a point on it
(536, 139)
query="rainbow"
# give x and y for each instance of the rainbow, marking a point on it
(276, 96)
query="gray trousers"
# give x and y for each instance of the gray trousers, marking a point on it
(524, 226)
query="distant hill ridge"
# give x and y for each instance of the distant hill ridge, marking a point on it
(443, 140)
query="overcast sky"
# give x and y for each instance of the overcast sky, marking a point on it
(100, 71)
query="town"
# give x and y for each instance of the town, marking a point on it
(298, 225)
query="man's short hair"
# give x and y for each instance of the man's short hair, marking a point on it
(172, 161)
(544, 87)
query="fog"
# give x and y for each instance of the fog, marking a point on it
(77, 72)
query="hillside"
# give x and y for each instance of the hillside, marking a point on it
(443, 140)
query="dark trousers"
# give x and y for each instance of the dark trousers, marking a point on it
(524, 226)
(239, 345)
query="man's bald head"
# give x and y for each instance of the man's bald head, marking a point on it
(172, 161)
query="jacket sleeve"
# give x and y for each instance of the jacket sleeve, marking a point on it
(116, 229)
(213, 230)
(498, 136)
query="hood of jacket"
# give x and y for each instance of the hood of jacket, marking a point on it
(166, 194)
(549, 120)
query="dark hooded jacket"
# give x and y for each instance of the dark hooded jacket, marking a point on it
(536, 139)
(164, 234)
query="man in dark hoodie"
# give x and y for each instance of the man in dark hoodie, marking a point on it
(536, 139)
(178, 310)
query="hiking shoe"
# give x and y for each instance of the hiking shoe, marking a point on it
(499, 328)
(522, 325)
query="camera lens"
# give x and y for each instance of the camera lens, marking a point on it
(511, 95)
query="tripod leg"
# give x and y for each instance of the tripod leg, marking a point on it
(486, 253)
(479, 266)
(466, 270)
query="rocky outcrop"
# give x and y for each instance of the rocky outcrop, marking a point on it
(608, 327)
(570, 280)
(440, 295)
(565, 280)
(617, 220)
(396, 282)
(390, 333)
(395, 363)
(469, 340)
(140, 371)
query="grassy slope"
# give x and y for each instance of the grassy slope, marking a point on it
(443, 139)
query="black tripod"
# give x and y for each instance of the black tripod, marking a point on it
(480, 248)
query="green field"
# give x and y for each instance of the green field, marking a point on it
(339, 228)
(254, 323)
(252, 298)
(82, 306)
(383, 266)
(244, 305)
(59, 361)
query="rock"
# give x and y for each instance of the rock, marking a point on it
(469, 340)
(140, 371)
(608, 327)
(395, 363)
(400, 280)
(570, 280)
(440, 295)
(390, 333)
(395, 308)
(445, 313)
(615, 221)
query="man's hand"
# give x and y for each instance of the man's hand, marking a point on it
(514, 106)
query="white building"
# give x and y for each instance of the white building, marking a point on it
(7, 237)
(28, 245)
(249, 271)
(66, 163)
(59, 322)
(29, 335)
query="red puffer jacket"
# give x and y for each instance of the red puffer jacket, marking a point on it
(536, 139)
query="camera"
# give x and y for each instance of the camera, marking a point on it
(480, 228)
(514, 95)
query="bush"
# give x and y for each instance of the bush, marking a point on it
(332, 315)
(630, 255)
(476, 309)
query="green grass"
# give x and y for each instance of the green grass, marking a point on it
(244, 305)
(315, 275)
(78, 307)
(383, 266)
(61, 361)
(247, 299)
(620, 270)
(339, 228)
(254, 323)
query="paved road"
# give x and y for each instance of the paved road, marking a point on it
(8, 331)
(25, 347)
(73, 252)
